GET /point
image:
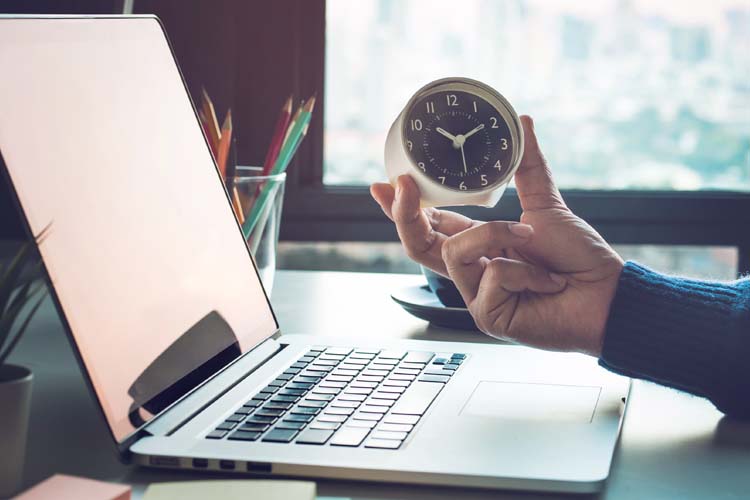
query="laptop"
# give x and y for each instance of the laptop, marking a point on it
(163, 305)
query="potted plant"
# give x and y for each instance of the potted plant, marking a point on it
(21, 294)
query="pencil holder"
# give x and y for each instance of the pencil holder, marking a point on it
(258, 200)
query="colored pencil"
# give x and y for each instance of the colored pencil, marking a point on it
(224, 143)
(237, 204)
(212, 124)
(310, 107)
(278, 136)
(296, 133)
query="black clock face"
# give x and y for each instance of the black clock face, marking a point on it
(458, 139)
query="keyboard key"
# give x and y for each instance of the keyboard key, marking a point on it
(216, 434)
(339, 378)
(386, 444)
(269, 389)
(260, 420)
(318, 348)
(352, 397)
(367, 416)
(298, 385)
(326, 390)
(413, 366)
(320, 397)
(345, 373)
(375, 373)
(314, 436)
(312, 354)
(392, 354)
(339, 419)
(396, 436)
(237, 417)
(280, 435)
(226, 426)
(450, 366)
(367, 424)
(343, 351)
(307, 403)
(350, 366)
(319, 368)
(285, 376)
(349, 436)
(408, 378)
(244, 436)
(393, 389)
(244, 410)
(324, 425)
(280, 398)
(434, 378)
(419, 357)
(389, 382)
(291, 371)
(254, 427)
(458, 356)
(277, 405)
(299, 366)
(357, 390)
(385, 361)
(345, 404)
(370, 378)
(306, 359)
(367, 385)
(268, 413)
(336, 357)
(253, 403)
(395, 427)
(373, 409)
(356, 361)
(325, 362)
(362, 355)
(298, 418)
(292, 392)
(339, 411)
(401, 419)
(417, 398)
(277, 383)
(440, 372)
(332, 383)
(380, 402)
(305, 410)
(262, 396)
(406, 371)
(439, 361)
(306, 379)
(296, 426)
(385, 395)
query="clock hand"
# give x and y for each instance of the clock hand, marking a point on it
(450, 136)
(463, 157)
(474, 131)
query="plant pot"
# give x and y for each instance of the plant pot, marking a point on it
(15, 406)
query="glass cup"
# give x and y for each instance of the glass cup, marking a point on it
(259, 200)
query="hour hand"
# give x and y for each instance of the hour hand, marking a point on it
(447, 134)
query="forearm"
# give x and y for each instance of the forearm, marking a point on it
(687, 334)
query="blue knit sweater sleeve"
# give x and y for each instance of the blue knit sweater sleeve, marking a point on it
(688, 334)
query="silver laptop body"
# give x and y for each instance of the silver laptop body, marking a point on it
(174, 332)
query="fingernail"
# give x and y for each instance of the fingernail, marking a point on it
(558, 279)
(522, 230)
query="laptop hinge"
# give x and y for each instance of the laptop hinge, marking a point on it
(203, 396)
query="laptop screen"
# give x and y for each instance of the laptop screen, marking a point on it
(148, 264)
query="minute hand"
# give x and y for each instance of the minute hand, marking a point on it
(474, 131)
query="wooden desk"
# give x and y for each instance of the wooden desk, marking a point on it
(672, 446)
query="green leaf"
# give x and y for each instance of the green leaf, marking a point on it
(12, 344)
(9, 281)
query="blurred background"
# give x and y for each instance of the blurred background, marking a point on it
(642, 108)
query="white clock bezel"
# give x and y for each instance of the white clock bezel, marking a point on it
(433, 193)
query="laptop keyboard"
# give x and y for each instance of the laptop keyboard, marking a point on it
(344, 397)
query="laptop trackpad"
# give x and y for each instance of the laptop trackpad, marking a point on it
(524, 401)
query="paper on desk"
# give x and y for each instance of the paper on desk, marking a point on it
(247, 489)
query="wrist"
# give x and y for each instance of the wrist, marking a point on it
(607, 293)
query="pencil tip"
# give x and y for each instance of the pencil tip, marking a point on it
(310, 104)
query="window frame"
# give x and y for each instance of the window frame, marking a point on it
(313, 211)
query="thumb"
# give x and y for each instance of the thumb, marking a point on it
(534, 183)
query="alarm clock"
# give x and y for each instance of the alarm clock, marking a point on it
(459, 139)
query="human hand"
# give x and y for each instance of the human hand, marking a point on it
(546, 282)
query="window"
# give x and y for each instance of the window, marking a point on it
(626, 94)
